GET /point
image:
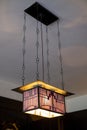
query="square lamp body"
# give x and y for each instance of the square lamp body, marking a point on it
(43, 102)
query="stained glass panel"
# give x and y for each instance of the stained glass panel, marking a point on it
(51, 101)
(30, 99)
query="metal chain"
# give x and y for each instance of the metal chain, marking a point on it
(37, 57)
(42, 53)
(60, 57)
(48, 63)
(23, 50)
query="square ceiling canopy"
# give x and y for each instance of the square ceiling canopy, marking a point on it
(41, 14)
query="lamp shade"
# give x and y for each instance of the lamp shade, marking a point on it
(42, 99)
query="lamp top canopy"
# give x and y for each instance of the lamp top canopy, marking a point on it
(41, 13)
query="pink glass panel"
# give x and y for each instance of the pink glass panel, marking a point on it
(52, 101)
(30, 99)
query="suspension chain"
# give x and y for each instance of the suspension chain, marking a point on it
(60, 57)
(23, 51)
(48, 63)
(42, 53)
(37, 56)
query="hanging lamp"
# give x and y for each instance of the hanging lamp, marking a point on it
(40, 98)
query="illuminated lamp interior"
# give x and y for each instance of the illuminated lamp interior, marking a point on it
(44, 113)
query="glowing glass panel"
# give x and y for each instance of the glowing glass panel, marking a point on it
(44, 113)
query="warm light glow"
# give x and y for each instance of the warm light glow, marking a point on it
(43, 113)
(43, 85)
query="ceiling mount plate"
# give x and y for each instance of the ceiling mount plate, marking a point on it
(41, 14)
